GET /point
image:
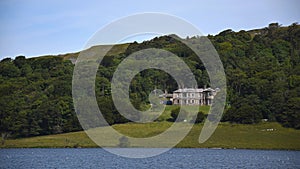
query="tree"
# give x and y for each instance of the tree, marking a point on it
(291, 115)
(244, 110)
(200, 117)
(8, 69)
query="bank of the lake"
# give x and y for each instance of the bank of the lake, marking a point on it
(266, 135)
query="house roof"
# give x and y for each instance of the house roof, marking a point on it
(193, 90)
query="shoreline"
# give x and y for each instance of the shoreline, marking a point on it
(210, 148)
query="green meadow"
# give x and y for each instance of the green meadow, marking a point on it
(267, 135)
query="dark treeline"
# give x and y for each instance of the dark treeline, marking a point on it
(262, 69)
(36, 96)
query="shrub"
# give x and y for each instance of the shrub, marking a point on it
(200, 117)
(175, 113)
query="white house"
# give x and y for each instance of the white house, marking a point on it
(191, 96)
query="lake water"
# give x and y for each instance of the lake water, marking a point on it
(175, 158)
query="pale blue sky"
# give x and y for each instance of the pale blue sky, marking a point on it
(37, 27)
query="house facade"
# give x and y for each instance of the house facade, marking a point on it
(191, 96)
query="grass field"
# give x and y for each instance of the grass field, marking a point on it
(260, 136)
(167, 112)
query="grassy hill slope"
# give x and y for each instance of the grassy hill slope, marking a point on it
(226, 136)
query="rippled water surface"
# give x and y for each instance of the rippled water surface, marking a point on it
(175, 158)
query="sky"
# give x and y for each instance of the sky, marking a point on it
(35, 28)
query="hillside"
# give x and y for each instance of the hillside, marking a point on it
(262, 69)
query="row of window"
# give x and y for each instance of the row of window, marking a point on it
(191, 101)
(190, 95)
